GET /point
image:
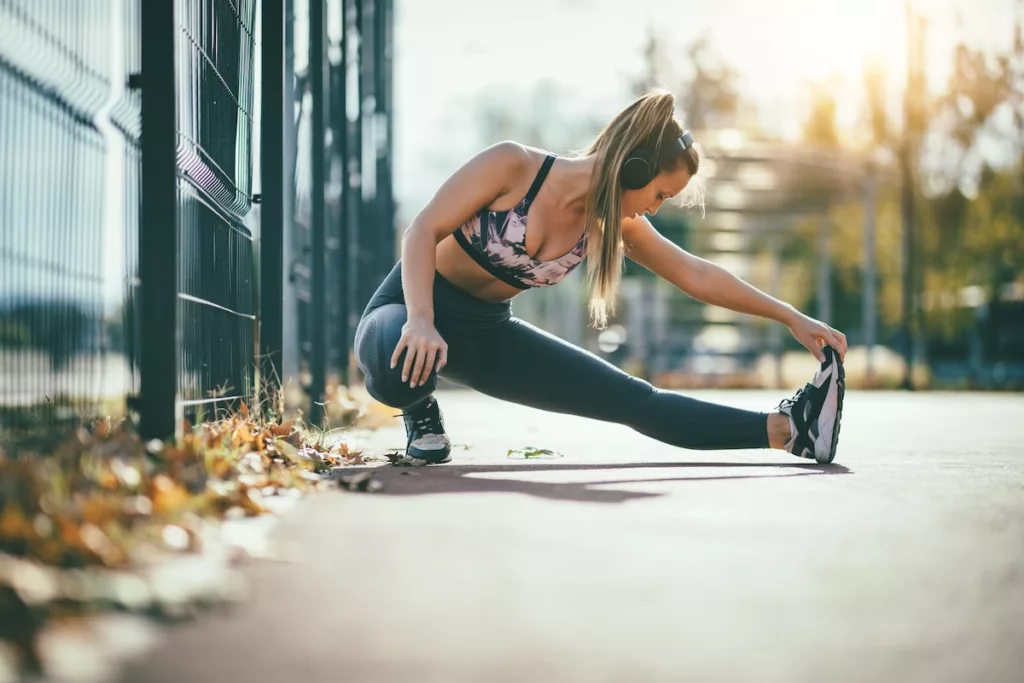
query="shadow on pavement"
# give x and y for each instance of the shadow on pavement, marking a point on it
(439, 479)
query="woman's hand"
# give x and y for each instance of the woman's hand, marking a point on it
(425, 347)
(814, 334)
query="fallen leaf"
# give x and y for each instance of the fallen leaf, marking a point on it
(532, 452)
(282, 429)
(13, 522)
(167, 495)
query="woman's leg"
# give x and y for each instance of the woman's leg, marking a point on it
(376, 338)
(525, 365)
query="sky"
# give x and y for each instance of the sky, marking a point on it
(448, 51)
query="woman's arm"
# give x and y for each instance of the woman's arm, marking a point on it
(711, 284)
(482, 180)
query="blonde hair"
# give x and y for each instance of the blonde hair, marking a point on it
(646, 122)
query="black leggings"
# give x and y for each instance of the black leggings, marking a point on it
(498, 355)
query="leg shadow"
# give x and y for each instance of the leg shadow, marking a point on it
(412, 481)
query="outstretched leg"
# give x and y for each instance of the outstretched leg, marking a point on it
(520, 363)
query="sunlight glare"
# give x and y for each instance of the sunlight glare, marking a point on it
(837, 38)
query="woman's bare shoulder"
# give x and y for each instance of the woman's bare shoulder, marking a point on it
(518, 160)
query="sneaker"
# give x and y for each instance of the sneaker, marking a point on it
(814, 411)
(424, 426)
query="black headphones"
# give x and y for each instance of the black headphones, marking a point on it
(641, 165)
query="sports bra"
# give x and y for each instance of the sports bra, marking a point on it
(497, 241)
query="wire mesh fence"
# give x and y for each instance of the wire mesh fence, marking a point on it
(73, 245)
(216, 288)
(54, 335)
(343, 214)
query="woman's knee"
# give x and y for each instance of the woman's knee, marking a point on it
(376, 339)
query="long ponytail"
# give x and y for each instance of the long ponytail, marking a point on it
(647, 121)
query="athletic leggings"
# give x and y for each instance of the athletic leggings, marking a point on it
(496, 354)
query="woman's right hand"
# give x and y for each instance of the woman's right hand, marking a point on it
(425, 348)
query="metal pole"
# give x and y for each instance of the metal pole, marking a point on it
(385, 228)
(368, 241)
(272, 189)
(353, 165)
(824, 270)
(289, 315)
(318, 285)
(340, 135)
(158, 233)
(906, 265)
(907, 150)
(775, 331)
(870, 301)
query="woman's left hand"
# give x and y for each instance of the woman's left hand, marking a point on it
(814, 334)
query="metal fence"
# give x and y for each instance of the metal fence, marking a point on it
(341, 207)
(54, 81)
(147, 273)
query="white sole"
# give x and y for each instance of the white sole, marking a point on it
(828, 438)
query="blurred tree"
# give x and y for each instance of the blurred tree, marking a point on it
(974, 234)
(543, 116)
(655, 70)
(880, 133)
(708, 91)
(970, 198)
(820, 128)
(710, 96)
(978, 116)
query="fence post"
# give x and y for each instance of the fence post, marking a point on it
(290, 344)
(353, 168)
(368, 242)
(158, 230)
(869, 301)
(318, 285)
(340, 151)
(383, 124)
(272, 189)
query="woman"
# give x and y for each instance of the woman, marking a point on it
(445, 308)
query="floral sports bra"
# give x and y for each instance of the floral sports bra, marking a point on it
(497, 241)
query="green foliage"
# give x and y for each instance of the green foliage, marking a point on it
(969, 227)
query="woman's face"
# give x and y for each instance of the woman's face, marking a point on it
(665, 186)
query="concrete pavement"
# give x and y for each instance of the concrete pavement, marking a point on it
(629, 560)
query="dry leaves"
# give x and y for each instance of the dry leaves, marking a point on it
(105, 501)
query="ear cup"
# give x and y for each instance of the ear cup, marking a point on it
(638, 169)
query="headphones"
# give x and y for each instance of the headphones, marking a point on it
(641, 165)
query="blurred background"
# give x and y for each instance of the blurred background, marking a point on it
(864, 164)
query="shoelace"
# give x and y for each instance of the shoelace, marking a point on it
(790, 402)
(427, 424)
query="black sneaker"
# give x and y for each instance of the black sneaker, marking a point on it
(815, 410)
(424, 426)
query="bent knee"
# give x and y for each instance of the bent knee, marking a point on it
(376, 339)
